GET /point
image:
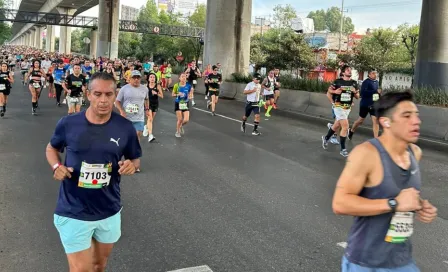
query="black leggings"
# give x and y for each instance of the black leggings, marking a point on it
(59, 90)
(206, 89)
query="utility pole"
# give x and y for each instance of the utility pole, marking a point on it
(262, 20)
(342, 26)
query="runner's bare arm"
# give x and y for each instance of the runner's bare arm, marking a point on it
(159, 91)
(417, 151)
(346, 199)
(119, 106)
(330, 97)
(52, 155)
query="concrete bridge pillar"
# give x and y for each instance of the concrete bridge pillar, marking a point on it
(50, 39)
(93, 43)
(32, 37)
(65, 35)
(108, 26)
(432, 58)
(227, 35)
(38, 38)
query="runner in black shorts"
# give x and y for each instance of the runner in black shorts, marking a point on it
(6, 80)
(154, 92)
(214, 81)
(369, 95)
(252, 91)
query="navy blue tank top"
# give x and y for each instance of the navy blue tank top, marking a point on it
(366, 245)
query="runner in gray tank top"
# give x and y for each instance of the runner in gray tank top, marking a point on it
(383, 192)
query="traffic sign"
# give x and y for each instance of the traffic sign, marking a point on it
(179, 58)
(132, 27)
(86, 40)
(179, 54)
(156, 29)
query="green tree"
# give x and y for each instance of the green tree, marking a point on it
(283, 49)
(198, 17)
(258, 55)
(331, 20)
(5, 29)
(78, 44)
(283, 15)
(380, 50)
(409, 37)
(128, 44)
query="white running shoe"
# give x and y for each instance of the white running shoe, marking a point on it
(151, 138)
(145, 131)
(64, 101)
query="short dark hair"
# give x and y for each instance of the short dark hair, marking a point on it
(387, 102)
(101, 76)
(345, 67)
(76, 64)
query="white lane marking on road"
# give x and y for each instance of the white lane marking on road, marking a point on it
(229, 118)
(342, 244)
(202, 268)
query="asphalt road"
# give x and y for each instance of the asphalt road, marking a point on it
(215, 197)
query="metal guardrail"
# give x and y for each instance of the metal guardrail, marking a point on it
(43, 18)
(166, 30)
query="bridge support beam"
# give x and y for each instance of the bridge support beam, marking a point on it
(227, 35)
(32, 37)
(65, 34)
(50, 39)
(93, 43)
(432, 57)
(28, 39)
(108, 26)
(38, 38)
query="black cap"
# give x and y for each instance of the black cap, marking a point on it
(257, 76)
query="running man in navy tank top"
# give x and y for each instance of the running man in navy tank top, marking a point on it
(383, 191)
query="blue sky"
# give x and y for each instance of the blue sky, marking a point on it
(364, 13)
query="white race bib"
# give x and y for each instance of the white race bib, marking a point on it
(195, 82)
(94, 176)
(36, 85)
(401, 227)
(183, 106)
(132, 108)
(376, 97)
(87, 76)
(346, 97)
(2, 87)
(74, 100)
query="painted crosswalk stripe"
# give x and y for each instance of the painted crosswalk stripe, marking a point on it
(202, 268)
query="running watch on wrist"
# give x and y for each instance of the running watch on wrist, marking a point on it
(393, 204)
(56, 166)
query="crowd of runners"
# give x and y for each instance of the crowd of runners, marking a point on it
(381, 192)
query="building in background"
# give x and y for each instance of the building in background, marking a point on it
(129, 13)
(185, 7)
(165, 5)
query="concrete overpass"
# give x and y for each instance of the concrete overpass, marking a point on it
(227, 34)
(104, 40)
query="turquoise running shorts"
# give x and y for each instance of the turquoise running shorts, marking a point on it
(76, 235)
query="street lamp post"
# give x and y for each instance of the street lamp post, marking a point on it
(342, 26)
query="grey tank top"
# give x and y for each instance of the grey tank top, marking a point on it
(366, 246)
